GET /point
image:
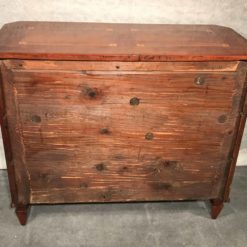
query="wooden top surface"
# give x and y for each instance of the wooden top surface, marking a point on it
(120, 42)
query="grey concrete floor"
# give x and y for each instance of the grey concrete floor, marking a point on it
(128, 224)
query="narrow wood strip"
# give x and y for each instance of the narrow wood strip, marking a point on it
(240, 126)
(121, 66)
(7, 145)
(18, 168)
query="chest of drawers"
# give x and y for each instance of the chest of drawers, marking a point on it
(120, 112)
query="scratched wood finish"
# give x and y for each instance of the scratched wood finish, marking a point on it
(84, 141)
(120, 42)
(121, 112)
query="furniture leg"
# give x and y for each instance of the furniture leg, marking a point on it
(22, 213)
(217, 205)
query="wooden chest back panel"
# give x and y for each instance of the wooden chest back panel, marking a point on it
(82, 140)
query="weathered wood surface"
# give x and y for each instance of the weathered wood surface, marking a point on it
(239, 130)
(120, 42)
(21, 176)
(84, 141)
(140, 113)
(7, 145)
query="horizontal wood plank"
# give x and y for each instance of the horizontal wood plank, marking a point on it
(121, 66)
(152, 191)
(120, 42)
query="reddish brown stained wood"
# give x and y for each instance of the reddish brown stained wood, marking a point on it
(17, 165)
(122, 67)
(239, 130)
(120, 42)
(7, 146)
(143, 113)
(69, 158)
(217, 206)
(22, 213)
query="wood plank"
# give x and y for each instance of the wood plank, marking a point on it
(7, 144)
(74, 88)
(120, 42)
(17, 147)
(152, 191)
(121, 66)
(239, 130)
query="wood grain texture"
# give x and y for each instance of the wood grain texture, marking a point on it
(239, 130)
(7, 145)
(20, 176)
(122, 67)
(120, 42)
(84, 141)
(121, 112)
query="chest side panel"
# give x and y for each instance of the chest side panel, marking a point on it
(151, 131)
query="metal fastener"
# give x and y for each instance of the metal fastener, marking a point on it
(36, 119)
(149, 136)
(199, 80)
(134, 101)
(104, 131)
(91, 92)
(222, 118)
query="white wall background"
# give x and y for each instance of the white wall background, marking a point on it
(231, 13)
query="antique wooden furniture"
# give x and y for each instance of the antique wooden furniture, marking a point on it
(119, 112)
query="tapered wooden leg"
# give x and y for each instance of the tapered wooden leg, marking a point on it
(22, 213)
(227, 200)
(217, 206)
